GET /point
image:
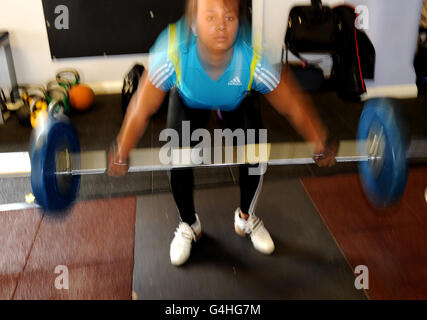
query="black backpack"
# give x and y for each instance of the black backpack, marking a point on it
(130, 85)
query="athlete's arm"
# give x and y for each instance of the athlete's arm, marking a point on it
(288, 100)
(142, 106)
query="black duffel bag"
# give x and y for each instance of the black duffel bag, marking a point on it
(320, 29)
(312, 29)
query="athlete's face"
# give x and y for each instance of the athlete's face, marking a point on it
(217, 23)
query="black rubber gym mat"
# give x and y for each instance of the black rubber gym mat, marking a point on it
(102, 186)
(140, 183)
(306, 264)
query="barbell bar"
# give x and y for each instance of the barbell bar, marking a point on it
(381, 150)
(18, 164)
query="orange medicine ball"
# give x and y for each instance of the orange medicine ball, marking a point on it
(81, 97)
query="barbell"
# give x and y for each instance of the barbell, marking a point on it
(55, 163)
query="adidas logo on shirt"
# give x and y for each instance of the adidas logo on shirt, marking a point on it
(235, 82)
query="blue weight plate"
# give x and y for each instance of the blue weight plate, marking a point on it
(54, 193)
(383, 181)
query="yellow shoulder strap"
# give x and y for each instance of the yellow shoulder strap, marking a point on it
(173, 53)
(255, 59)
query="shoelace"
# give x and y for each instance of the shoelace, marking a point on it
(185, 232)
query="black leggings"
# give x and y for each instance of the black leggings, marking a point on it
(246, 116)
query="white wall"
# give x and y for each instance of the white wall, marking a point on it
(24, 19)
(393, 31)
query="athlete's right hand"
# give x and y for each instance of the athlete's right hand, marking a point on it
(116, 167)
(326, 158)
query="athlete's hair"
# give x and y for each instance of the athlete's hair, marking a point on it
(191, 10)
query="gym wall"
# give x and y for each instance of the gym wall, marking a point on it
(31, 49)
(393, 30)
(77, 47)
(106, 27)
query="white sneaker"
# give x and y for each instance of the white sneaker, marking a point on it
(254, 227)
(181, 244)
